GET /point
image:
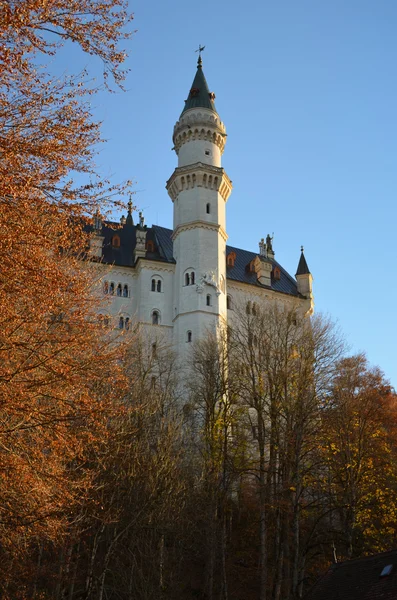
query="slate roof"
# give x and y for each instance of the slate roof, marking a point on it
(199, 93)
(358, 579)
(162, 238)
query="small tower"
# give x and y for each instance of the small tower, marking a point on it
(199, 189)
(305, 281)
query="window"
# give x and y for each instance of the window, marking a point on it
(127, 324)
(116, 241)
(155, 317)
(111, 289)
(208, 208)
(189, 278)
(207, 152)
(150, 246)
(229, 302)
(106, 287)
(208, 299)
(189, 336)
(248, 308)
(156, 285)
(276, 274)
(119, 290)
(231, 257)
(154, 350)
(254, 309)
(125, 291)
(121, 323)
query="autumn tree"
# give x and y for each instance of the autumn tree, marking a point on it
(359, 437)
(54, 358)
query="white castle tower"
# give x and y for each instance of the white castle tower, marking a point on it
(199, 189)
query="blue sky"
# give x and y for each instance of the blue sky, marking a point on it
(307, 91)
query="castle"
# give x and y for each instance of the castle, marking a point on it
(187, 281)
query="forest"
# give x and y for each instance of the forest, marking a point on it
(277, 459)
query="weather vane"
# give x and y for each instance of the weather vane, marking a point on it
(200, 49)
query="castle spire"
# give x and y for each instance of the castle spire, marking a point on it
(199, 94)
(303, 269)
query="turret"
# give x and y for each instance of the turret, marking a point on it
(199, 189)
(305, 280)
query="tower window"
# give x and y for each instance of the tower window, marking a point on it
(121, 323)
(154, 350)
(111, 289)
(106, 287)
(155, 317)
(125, 291)
(159, 285)
(208, 208)
(187, 279)
(248, 308)
(153, 285)
(207, 152)
(127, 323)
(116, 241)
(192, 277)
(208, 299)
(229, 302)
(119, 290)
(189, 336)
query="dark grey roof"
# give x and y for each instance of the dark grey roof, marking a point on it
(286, 284)
(162, 238)
(303, 269)
(199, 93)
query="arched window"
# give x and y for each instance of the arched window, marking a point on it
(125, 291)
(189, 336)
(153, 285)
(155, 317)
(106, 287)
(254, 309)
(111, 289)
(121, 323)
(116, 241)
(208, 208)
(119, 290)
(187, 279)
(159, 285)
(154, 350)
(127, 324)
(192, 277)
(248, 308)
(208, 299)
(228, 302)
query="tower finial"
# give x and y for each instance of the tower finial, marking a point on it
(200, 49)
(129, 220)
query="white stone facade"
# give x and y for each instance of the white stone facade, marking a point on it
(182, 293)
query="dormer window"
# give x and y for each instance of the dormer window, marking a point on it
(150, 245)
(194, 92)
(251, 266)
(230, 258)
(276, 274)
(116, 241)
